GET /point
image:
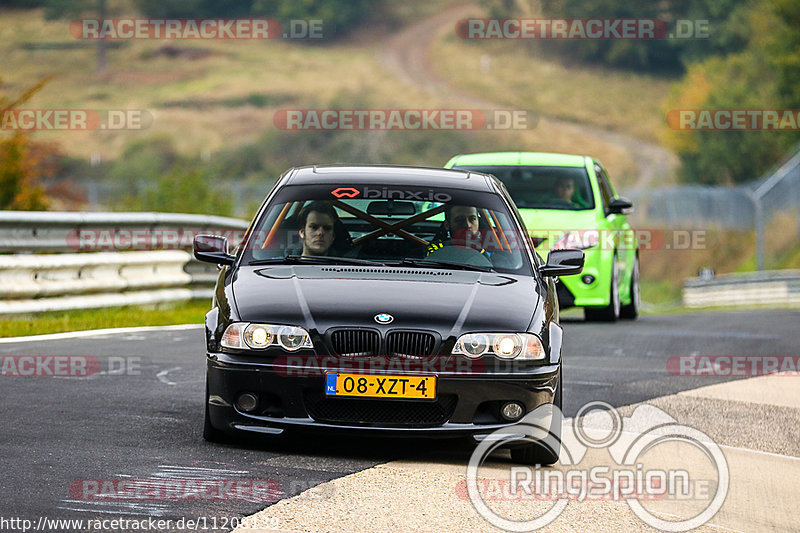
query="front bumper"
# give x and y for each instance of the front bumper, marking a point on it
(573, 292)
(293, 398)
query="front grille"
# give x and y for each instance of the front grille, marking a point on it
(414, 343)
(355, 342)
(384, 413)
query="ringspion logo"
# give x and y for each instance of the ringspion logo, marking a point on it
(632, 475)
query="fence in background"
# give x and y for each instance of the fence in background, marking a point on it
(723, 207)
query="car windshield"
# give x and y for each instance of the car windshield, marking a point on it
(405, 226)
(540, 187)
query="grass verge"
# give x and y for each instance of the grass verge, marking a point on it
(191, 312)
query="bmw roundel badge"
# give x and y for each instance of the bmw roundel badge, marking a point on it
(384, 318)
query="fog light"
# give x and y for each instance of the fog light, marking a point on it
(512, 411)
(247, 402)
(588, 279)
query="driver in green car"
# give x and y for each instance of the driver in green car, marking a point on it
(564, 194)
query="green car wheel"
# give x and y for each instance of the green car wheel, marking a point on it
(631, 311)
(610, 312)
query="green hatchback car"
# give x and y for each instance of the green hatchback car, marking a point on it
(567, 201)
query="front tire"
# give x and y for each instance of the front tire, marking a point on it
(210, 433)
(611, 312)
(539, 453)
(631, 311)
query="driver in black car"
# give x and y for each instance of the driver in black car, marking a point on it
(461, 223)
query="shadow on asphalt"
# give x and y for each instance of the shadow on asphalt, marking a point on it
(350, 446)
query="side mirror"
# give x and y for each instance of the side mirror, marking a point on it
(563, 263)
(212, 249)
(620, 206)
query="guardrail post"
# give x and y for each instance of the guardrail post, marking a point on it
(758, 223)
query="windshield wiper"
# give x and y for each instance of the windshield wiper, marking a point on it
(410, 261)
(315, 259)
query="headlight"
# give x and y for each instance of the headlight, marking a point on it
(522, 346)
(242, 335)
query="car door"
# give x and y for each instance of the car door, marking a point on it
(619, 226)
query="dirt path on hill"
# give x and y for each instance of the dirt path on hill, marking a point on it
(407, 55)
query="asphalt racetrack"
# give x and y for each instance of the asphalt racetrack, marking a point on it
(139, 417)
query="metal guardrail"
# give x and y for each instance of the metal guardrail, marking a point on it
(771, 287)
(37, 231)
(31, 281)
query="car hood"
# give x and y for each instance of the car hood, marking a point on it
(321, 297)
(551, 224)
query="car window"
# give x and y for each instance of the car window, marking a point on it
(389, 225)
(541, 187)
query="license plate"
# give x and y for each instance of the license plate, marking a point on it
(377, 386)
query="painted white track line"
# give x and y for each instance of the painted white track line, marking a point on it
(96, 333)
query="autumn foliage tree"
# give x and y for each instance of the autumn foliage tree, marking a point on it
(23, 162)
(761, 76)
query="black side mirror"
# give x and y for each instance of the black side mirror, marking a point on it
(620, 206)
(212, 249)
(563, 263)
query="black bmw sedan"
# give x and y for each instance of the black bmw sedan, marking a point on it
(382, 299)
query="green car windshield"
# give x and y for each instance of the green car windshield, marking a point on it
(540, 187)
(376, 226)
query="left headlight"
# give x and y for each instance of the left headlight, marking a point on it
(243, 335)
(524, 346)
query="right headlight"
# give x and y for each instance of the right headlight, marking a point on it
(244, 335)
(522, 346)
